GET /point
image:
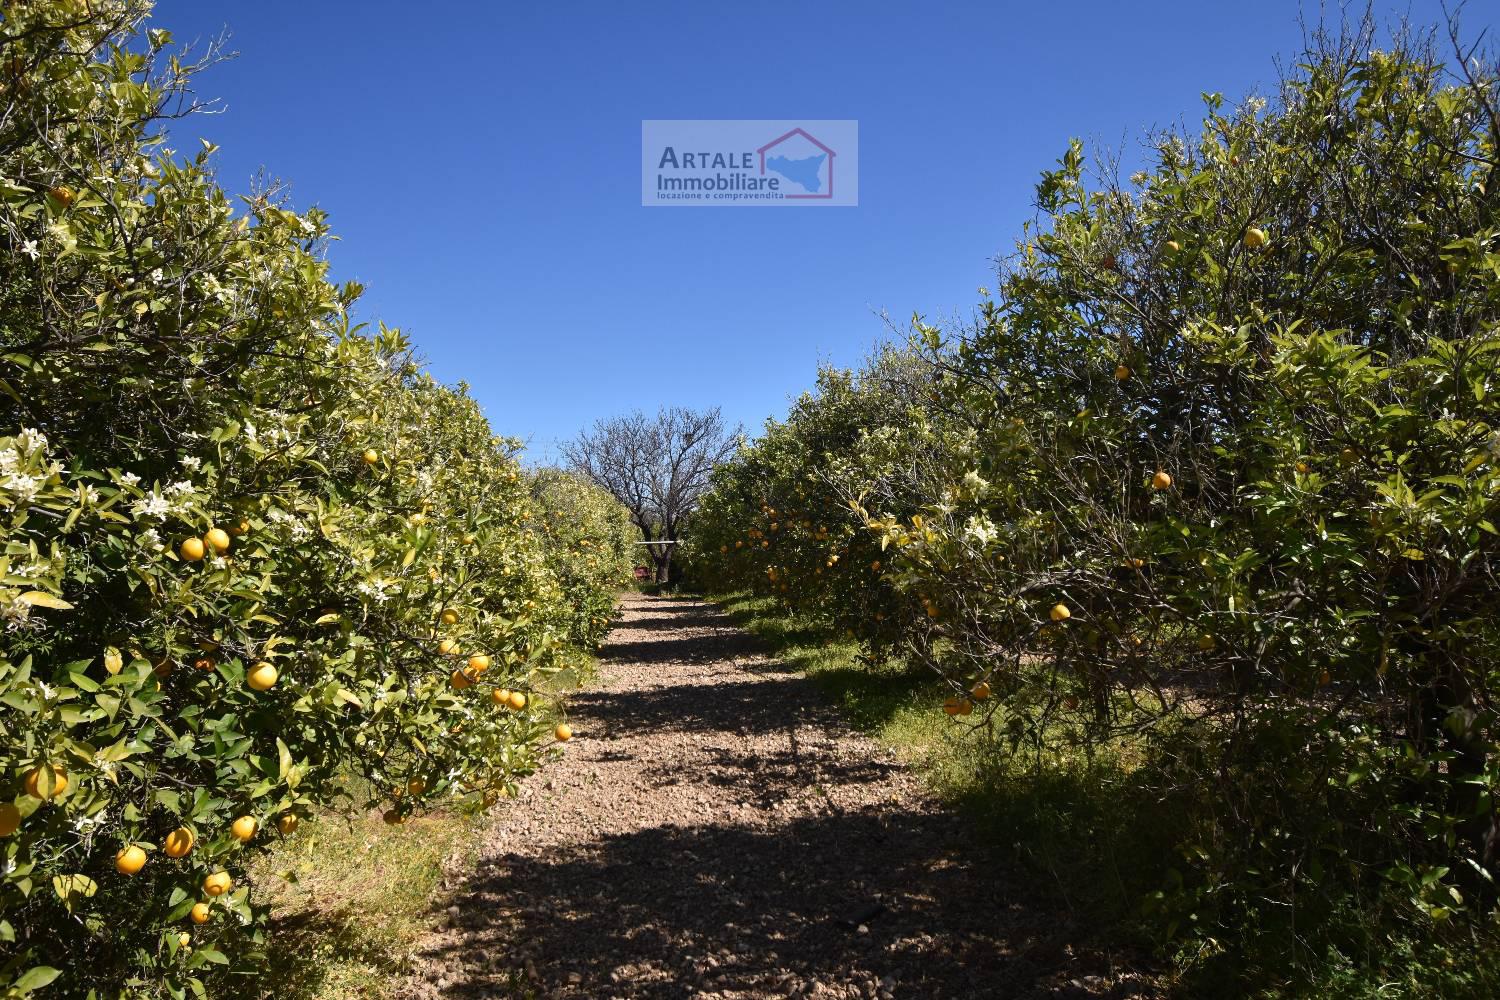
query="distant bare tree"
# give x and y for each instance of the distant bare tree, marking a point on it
(657, 466)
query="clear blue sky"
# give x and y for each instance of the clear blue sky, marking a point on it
(481, 162)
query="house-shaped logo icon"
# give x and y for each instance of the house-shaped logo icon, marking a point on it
(808, 169)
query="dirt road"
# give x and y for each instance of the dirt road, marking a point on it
(717, 831)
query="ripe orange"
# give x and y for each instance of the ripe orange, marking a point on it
(980, 691)
(63, 195)
(479, 663)
(416, 786)
(217, 884)
(517, 700)
(185, 940)
(44, 782)
(1122, 372)
(500, 696)
(287, 823)
(1255, 238)
(449, 616)
(130, 860)
(10, 819)
(262, 677)
(447, 646)
(393, 817)
(965, 706)
(563, 732)
(1160, 480)
(243, 829)
(200, 913)
(217, 539)
(460, 680)
(1173, 246)
(204, 663)
(1303, 468)
(950, 706)
(191, 549)
(240, 528)
(371, 456)
(1060, 613)
(178, 843)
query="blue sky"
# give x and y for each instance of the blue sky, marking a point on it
(481, 163)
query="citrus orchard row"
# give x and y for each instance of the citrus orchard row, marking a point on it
(1212, 482)
(253, 550)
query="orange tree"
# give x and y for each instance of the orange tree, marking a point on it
(1216, 471)
(589, 544)
(251, 549)
(778, 520)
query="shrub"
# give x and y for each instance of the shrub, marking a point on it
(251, 549)
(1216, 470)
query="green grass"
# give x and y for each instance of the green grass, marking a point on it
(356, 897)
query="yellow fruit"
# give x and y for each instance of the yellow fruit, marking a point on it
(416, 786)
(44, 782)
(447, 646)
(63, 195)
(1122, 373)
(980, 691)
(500, 696)
(1060, 613)
(460, 680)
(200, 913)
(262, 677)
(241, 528)
(393, 817)
(1161, 481)
(479, 663)
(449, 617)
(10, 819)
(243, 829)
(950, 706)
(191, 549)
(178, 843)
(217, 539)
(1303, 468)
(965, 706)
(287, 823)
(517, 700)
(184, 939)
(563, 732)
(130, 860)
(1174, 246)
(113, 661)
(371, 456)
(217, 884)
(1255, 238)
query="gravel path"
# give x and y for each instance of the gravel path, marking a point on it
(716, 831)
